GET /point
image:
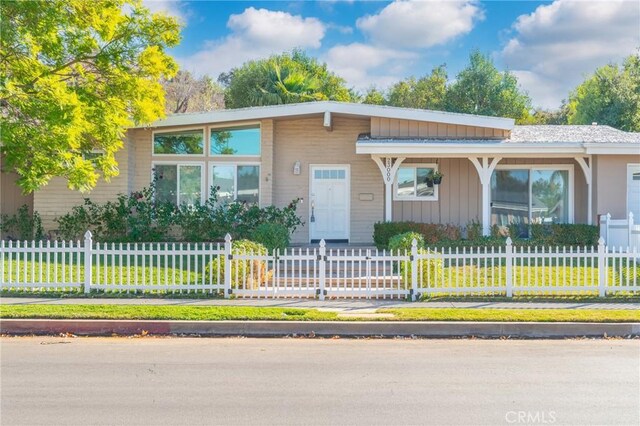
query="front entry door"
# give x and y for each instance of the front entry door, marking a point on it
(329, 208)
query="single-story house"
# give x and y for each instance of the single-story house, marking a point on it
(354, 165)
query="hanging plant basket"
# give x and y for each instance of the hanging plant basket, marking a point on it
(435, 177)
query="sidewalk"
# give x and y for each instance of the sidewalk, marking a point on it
(351, 305)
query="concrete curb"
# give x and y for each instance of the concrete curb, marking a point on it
(320, 328)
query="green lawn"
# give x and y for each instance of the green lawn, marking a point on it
(220, 313)
(191, 270)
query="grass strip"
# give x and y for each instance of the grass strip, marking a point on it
(518, 315)
(220, 313)
(192, 313)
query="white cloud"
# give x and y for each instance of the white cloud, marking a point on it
(554, 47)
(360, 64)
(420, 24)
(255, 33)
(170, 7)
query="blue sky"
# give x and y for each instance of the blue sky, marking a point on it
(550, 46)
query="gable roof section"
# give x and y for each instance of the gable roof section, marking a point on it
(320, 107)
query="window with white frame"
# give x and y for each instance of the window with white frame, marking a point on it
(178, 183)
(239, 182)
(239, 141)
(180, 142)
(413, 183)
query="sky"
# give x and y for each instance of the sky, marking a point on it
(551, 46)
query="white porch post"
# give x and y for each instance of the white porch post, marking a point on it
(587, 170)
(388, 168)
(485, 170)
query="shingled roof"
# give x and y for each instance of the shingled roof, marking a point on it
(548, 134)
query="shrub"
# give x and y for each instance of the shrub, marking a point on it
(249, 273)
(432, 233)
(136, 217)
(383, 231)
(428, 267)
(212, 220)
(402, 242)
(565, 235)
(22, 225)
(272, 236)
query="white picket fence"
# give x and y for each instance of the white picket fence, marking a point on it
(316, 272)
(620, 232)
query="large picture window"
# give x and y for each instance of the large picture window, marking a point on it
(178, 183)
(184, 142)
(411, 183)
(241, 141)
(236, 182)
(539, 195)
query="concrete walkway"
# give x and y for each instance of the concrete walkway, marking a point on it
(355, 306)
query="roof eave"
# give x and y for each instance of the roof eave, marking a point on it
(321, 107)
(464, 149)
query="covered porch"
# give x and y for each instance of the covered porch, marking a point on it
(490, 182)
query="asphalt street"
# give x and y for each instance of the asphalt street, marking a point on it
(188, 381)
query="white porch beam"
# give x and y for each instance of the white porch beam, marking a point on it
(389, 169)
(587, 170)
(485, 170)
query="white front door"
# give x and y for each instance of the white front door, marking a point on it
(633, 191)
(329, 206)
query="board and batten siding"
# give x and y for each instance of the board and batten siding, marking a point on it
(460, 194)
(610, 184)
(307, 141)
(391, 127)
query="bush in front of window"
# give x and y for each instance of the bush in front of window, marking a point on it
(136, 217)
(211, 221)
(437, 235)
(272, 235)
(245, 274)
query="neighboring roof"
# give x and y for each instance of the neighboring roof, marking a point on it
(542, 139)
(320, 107)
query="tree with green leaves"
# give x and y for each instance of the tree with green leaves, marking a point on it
(610, 96)
(75, 75)
(481, 89)
(281, 79)
(373, 96)
(427, 92)
(186, 93)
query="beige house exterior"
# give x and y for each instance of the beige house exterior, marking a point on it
(353, 165)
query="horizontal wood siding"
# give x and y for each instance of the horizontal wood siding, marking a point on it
(55, 199)
(391, 127)
(307, 141)
(11, 196)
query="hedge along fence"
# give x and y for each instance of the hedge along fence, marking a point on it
(250, 270)
(438, 235)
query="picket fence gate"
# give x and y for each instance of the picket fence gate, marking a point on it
(317, 272)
